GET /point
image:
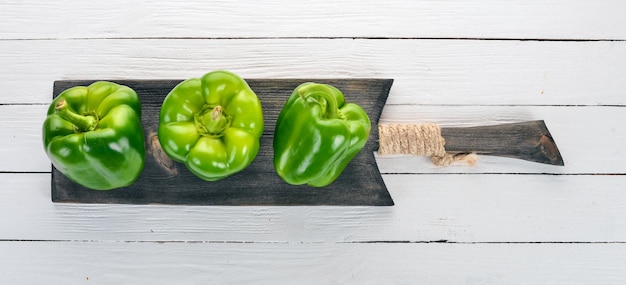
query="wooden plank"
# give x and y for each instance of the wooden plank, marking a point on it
(428, 207)
(553, 80)
(431, 72)
(20, 134)
(317, 263)
(574, 128)
(549, 19)
(166, 182)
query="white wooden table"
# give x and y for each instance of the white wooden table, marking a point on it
(456, 63)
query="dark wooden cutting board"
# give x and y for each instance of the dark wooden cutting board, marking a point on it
(165, 182)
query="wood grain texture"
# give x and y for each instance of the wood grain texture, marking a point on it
(428, 207)
(455, 63)
(529, 140)
(318, 263)
(163, 181)
(536, 19)
(431, 72)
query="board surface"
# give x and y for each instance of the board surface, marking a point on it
(166, 182)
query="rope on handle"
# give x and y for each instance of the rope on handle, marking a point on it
(419, 139)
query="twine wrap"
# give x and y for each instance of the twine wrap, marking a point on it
(418, 139)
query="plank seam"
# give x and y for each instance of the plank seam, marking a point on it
(24, 172)
(328, 38)
(507, 105)
(24, 104)
(310, 242)
(503, 173)
(416, 173)
(419, 105)
(490, 242)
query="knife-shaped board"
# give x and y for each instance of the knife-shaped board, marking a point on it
(166, 182)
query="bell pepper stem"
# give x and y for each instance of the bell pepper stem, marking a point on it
(212, 121)
(82, 123)
(331, 108)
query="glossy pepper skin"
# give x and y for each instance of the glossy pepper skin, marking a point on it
(317, 134)
(93, 135)
(212, 124)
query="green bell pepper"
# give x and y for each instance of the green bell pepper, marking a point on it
(212, 124)
(93, 135)
(317, 134)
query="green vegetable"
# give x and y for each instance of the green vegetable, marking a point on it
(93, 135)
(317, 135)
(212, 124)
